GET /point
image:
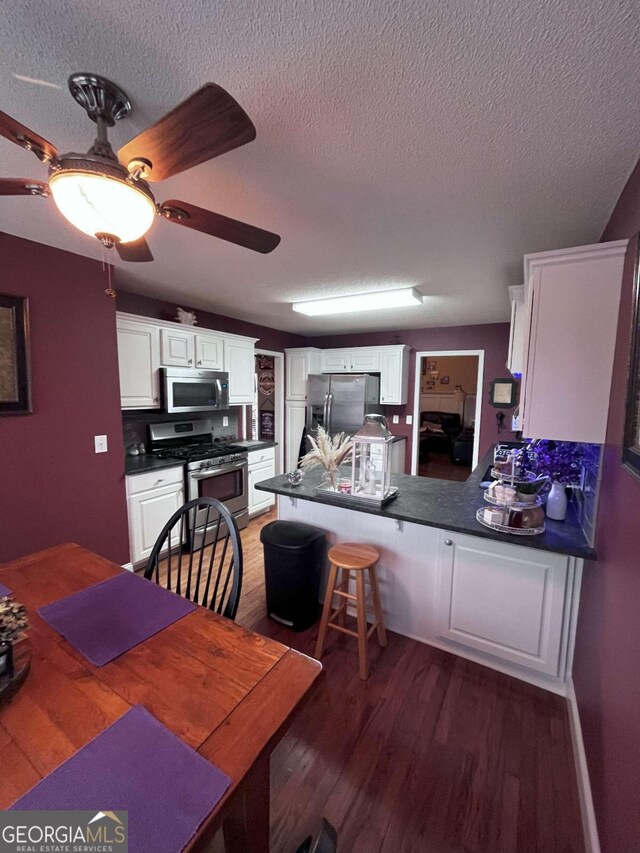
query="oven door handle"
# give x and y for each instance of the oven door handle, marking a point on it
(218, 471)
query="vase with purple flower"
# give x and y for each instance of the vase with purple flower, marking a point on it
(561, 463)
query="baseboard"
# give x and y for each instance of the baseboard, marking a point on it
(128, 566)
(589, 825)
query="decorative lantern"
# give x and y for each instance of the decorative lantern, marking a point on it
(371, 461)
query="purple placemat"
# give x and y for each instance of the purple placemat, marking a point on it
(138, 765)
(4, 590)
(107, 619)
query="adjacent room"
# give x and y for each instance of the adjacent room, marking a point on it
(320, 427)
(448, 409)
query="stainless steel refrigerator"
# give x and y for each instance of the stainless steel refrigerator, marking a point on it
(338, 402)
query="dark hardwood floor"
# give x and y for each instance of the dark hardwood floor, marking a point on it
(433, 754)
(440, 466)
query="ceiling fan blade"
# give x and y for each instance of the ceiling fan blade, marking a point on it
(137, 251)
(23, 186)
(21, 135)
(206, 125)
(220, 226)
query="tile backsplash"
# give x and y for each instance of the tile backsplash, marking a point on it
(587, 496)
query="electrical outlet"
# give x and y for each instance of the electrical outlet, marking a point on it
(225, 421)
(100, 442)
(396, 419)
(409, 420)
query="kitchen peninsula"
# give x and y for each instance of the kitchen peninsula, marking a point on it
(505, 601)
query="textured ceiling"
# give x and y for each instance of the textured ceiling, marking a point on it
(426, 143)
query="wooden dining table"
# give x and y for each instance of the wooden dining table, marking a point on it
(227, 692)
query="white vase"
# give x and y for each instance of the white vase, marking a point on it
(557, 502)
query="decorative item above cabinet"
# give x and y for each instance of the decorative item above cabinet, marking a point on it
(146, 344)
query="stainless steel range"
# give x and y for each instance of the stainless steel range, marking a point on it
(213, 469)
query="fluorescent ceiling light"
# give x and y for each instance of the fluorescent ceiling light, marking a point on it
(360, 302)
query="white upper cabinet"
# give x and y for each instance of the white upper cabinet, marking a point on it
(334, 361)
(145, 344)
(366, 359)
(239, 363)
(394, 375)
(518, 331)
(572, 299)
(138, 364)
(360, 359)
(300, 363)
(391, 362)
(177, 347)
(209, 351)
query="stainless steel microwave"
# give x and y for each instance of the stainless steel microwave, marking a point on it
(188, 390)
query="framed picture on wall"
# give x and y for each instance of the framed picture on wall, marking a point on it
(15, 388)
(631, 443)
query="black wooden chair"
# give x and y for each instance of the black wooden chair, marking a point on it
(326, 841)
(198, 555)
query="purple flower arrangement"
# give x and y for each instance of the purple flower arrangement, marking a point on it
(561, 461)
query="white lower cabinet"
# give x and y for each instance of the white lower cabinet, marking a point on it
(152, 498)
(504, 600)
(509, 607)
(262, 466)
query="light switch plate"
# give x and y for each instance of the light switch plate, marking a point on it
(225, 421)
(396, 419)
(100, 442)
(409, 420)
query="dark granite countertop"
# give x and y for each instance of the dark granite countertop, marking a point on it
(450, 506)
(147, 462)
(254, 444)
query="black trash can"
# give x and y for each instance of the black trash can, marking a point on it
(293, 558)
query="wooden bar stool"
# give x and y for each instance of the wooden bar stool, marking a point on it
(359, 559)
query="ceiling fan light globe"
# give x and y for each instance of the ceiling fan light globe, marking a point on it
(99, 204)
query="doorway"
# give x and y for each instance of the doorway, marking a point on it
(447, 412)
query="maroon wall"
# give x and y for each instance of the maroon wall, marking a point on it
(53, 487)
(271, 339)
(493, 339)
(606, 670)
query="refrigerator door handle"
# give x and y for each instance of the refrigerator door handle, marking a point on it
(327, 420)
(325, 412)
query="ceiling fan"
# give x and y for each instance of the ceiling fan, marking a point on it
(107, 196)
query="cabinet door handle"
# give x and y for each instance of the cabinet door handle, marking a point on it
(157, 482)
(200, 362)
(190, 361)
(155, 400)
(448, 542)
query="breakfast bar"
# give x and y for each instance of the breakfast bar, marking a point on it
(505, 601)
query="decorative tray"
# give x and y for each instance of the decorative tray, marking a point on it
(504, 528)
(501, 475)
(347, 499)
(517, 505)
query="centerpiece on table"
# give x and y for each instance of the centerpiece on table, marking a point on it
(14, 648)
(560, 462)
